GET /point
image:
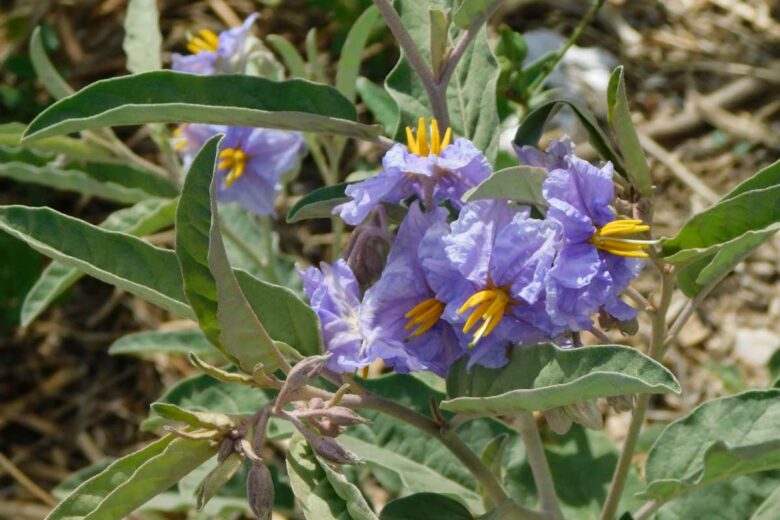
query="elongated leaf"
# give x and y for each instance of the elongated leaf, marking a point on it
(174, 97)
(543, 376)
(471, 93)
(519, 183)
(290, 55)
(208, 420)
(319, 203)
(725, 225)
(425, 506)
(532, 127)
(324, 494)
(115, 258)
(178, 342)
(726, 500)
(470, 11)
(76, 149)
(204, 394)
(720, 439)
(379, 102)
(143, 40)
(770, 508)
(352, 52)
(224, 315)
(766, 178)
(131, 481)
(625, 134)
(44, 68)
(13, 166)
(143, 218)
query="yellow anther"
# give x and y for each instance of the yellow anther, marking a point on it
(608, 238)
(234, 160)
(419, 144)
(179, 141)
(423, 316)
(491, 305)
(206, 40)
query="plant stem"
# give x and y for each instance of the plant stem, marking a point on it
(637, 418)
(550, 65)
(534, 450)
(647, 509)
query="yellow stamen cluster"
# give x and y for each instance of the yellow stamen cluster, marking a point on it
(608, 238)
(490, 306)
(179, 140)
(423, 316)
(419, 144)
(234, 160)
(205, 40)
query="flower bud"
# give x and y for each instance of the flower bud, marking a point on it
(331, 450)
(586, 413)
(260, 491)
(621, 403)
(299, 376)
(558, 421)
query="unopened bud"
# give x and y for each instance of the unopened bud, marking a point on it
(331, 450)
(299, 376)
(260, 491)
(338, 415)
(586, 413)
(621, 403)
(558, 421)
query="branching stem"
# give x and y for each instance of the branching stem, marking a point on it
(534, 450)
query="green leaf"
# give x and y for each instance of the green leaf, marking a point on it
(107, 255)
(471, 93)
(323, 493)
(204, 394)
(217, 478)
(425, 506)
(174, 97)
(519, 183)
(143, 41)
(44, 68)
(290, 55)
(208, 420)
(133, 480)
(224, 314)
(532, 127)
(770, 508)
(727, 500)
(625, 133)
(318, 203)
(722, 438)
(440, 29)
(543, 376)
(76, 149)
(727, 225)
(142, 219)
(352, 52)
(175, 342)
(379, 102)
(470, 11)
(765, 178)
(19, 165)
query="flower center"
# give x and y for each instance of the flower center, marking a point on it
(419, 144)
(490, 306)
(234, 160)
(609, 238)
(206, 40)
(423, 316)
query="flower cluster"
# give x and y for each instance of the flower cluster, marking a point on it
(252, 161)
(492, 278)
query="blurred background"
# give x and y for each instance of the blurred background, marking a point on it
(704, 82)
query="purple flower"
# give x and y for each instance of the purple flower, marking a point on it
(556, 156)
(334, 295)
(215, 54)
(252, 161)
(595, 261)
(433, 172)
(489, 269)
(400, 313)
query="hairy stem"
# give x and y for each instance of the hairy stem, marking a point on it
(543, 479)
(647, 509)
(418, 63)
(637, 418)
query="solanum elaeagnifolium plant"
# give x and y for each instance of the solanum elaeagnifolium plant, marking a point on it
(471, 286)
